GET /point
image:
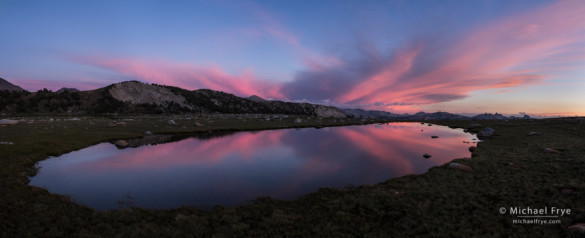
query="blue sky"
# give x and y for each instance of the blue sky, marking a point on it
(399, 56)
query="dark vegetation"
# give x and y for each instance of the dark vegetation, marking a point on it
(41, 101)
(510, 169)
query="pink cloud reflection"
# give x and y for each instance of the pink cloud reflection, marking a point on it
(206, 153)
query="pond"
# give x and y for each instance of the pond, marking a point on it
(233, 169)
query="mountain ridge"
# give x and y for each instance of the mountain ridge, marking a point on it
(133, 97)
(5, 85)
(361, 113)
(137, 97)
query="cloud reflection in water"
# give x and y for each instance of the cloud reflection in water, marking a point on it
(237, 168)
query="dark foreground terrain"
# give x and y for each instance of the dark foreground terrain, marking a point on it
(511, 169)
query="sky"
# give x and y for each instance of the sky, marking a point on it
(400, 56)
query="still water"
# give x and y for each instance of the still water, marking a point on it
(234, 169)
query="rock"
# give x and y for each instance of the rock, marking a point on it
(6, 143)
(326, 111)
(430, 124)
(121, 143)
(147, 133)
(551, 151)
(298, 120)
(139, 93)
(461, 167)
(426, 156)
(532, 133)
(578, 228)
(472, 148)
(114, 124)
(486, 132)
(197, 124)
(5, 122)
(434, 137)
(172, 122)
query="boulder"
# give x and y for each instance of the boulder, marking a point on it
(197, 124)
(461, 167)
(5, 122)
(434, 137)
(426, 156)
(172, 122)
(486, 132)
(578, 228)
(551, 151)
(147, 133)
(533, 133)
(298, 120)
(121, 143)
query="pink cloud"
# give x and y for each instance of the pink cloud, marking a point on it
(516, 51)
(188, 76)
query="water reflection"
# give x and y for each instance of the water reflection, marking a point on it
(233, 169)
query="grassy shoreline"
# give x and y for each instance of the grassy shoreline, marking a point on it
(509, 170)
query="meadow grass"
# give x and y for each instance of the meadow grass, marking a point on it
(509, 170)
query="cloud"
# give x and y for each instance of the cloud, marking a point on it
(501, 54)
(186, 75)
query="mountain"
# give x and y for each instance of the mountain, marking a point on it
(135, 97)
(67, 90)
(489, 116)
(360, 113)
(5, 85)
(256, 98)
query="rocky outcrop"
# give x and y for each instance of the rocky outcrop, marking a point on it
(325, 111)
(486, 132)
(140, 93)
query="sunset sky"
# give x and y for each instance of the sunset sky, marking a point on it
(398, 56)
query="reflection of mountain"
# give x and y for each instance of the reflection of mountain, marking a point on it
(161, 139)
